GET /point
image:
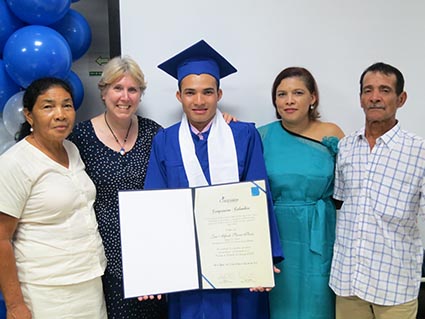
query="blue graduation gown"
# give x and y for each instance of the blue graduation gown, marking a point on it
(166, 170)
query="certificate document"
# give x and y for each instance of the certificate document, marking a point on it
(233, 234)
(209, 237)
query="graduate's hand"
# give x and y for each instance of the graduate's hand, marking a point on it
(150, 297)
(229, 118)
(259, 289)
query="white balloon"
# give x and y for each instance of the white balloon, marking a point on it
(5, 146)
(4, 134)
(6, 140)
(13, 113)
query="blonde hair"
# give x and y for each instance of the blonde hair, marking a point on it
(116, 68)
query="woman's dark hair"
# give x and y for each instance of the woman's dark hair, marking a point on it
(33, 91)
(309, 82)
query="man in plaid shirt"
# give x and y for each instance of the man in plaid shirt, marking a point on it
(380, 178)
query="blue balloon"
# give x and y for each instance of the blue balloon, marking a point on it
(36, 51)
(42, 12)
(9, 23)
(76, 30)
(8, 87)
(77, 88)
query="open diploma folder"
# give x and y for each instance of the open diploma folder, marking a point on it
(195, 238)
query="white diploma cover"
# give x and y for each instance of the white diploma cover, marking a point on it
(210, 237)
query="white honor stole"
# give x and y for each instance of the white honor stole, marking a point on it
(222, 159)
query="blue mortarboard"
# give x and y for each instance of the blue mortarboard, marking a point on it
(200, 58)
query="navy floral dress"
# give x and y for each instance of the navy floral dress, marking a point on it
(112, 172)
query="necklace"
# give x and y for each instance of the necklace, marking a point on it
(122, 150)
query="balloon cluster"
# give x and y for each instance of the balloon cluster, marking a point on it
(38, 38)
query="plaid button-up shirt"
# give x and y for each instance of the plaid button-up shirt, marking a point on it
(378, 249)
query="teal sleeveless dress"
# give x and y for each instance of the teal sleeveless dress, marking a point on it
(301, 174)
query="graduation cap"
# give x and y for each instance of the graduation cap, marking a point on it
(199, 58)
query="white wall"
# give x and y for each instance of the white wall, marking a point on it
(335, 40)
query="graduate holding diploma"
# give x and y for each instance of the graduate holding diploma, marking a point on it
(203, 150)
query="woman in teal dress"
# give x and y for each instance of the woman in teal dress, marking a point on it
(299, 151)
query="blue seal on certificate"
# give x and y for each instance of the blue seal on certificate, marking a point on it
(255, 191)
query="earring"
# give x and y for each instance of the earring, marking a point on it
(31, 129)
(312, 107)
